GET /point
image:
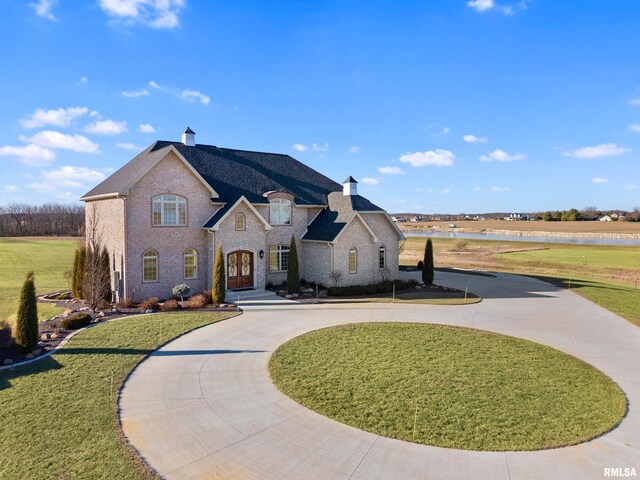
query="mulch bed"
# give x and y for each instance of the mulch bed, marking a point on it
(52, 334)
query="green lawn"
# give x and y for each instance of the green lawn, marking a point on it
(47, 257)
(606, 275)
(474, 390)
(58, 416)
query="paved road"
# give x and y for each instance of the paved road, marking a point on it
(204, 406)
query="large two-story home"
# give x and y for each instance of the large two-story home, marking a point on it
(163, 215)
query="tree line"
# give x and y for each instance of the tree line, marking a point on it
(50, 219)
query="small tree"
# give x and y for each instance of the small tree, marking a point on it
(427, 264)
(105, 273)
(27, 319)
(75, 275)
(293, 274)
(219, 278)
(335, 276)
(80, 272)
(181, 290)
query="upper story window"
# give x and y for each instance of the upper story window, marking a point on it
(169, 210)
(279, 258)
(150, 266)
(280, 211)
(382, 257)
(190, 264)
(241, 222)
(353, 260)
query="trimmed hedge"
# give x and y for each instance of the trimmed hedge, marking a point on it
(76, 321)
(373, 289)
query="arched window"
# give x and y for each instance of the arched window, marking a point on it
(190, 264)
(241, 221)
(382, 257)
(169, 210)
(280, 211)
(150, 266)
(353, 260)
(279, 258)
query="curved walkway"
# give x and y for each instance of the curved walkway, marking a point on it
(203, 406)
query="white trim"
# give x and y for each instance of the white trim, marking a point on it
(366, 225)
(314, 217)
(232, 208)
(169, 148)
(100, 197)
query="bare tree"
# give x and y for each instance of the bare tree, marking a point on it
(19, 219)
(97, 279)
(335, 275)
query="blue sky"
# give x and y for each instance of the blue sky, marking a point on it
(433, 105)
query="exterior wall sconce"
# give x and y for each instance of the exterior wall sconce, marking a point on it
(261, 254)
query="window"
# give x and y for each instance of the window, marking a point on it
(150, 266)
(279, 258)
(241, 223)
(190, 264)
(382, 257)
(353, 260)
(169, 210)
(280, 211)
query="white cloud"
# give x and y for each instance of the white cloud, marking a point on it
(602, 150)
(72, 177)
(153, 13)
(135, 93)
(370, 181)
(106, 127)
(477, 189)
(130, 146)
(599, 180)
(355, 149)
(298, 147)
(630, 186)
(31, 155)
(502, 156)
(146, 128)
(56, 140)
(43, 8)
(10, 188)
(438, 158)
(192, 95)
(83, 81)
(481, 5)
(391, 170)
(61, 117)
(635, 101)
(474, 139)
(153, 84)
(319, 148)
(635, 127)
(446, 191)
(500, 189)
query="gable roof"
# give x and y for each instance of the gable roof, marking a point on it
(230, 173)
(214, 222)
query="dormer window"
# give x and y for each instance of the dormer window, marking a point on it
(169, 211)
(280, 211)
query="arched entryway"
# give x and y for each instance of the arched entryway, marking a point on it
(240, 269)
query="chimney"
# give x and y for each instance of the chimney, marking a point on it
(350, 186)
(189, 137)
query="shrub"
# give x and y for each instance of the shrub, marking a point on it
(151, 303)
(372, 289)
(427, 268)
(207, 295)
(63, 296)
(27, 319)
(460, 245)
(126, 302)
(420, 265)
(181, 290)
(75, 322)
(198, 301)
(6, 340)
(219, 278)
(293, 274)
(170, 305)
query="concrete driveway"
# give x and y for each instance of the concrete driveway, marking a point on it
(204, 406)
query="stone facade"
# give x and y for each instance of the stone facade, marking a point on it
(126, 228)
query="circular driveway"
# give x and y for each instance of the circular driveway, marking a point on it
(203, 406)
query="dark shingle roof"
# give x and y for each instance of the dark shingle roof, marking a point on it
(350, 179)
(188, 130)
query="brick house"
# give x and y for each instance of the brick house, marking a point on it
(163, 215)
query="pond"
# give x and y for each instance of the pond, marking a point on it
(526, 238)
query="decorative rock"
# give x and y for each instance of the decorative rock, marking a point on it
(322, 295)
(282, 292)
(148, 310)
(7, 361)
(41, 344)
(29, 356)
(101, 314)
(288, 296)
(54, 336)
(37, 352)
(45, 336)
(418, 287)
(293, 295)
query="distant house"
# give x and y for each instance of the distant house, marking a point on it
(163, 215)
(606, 218)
